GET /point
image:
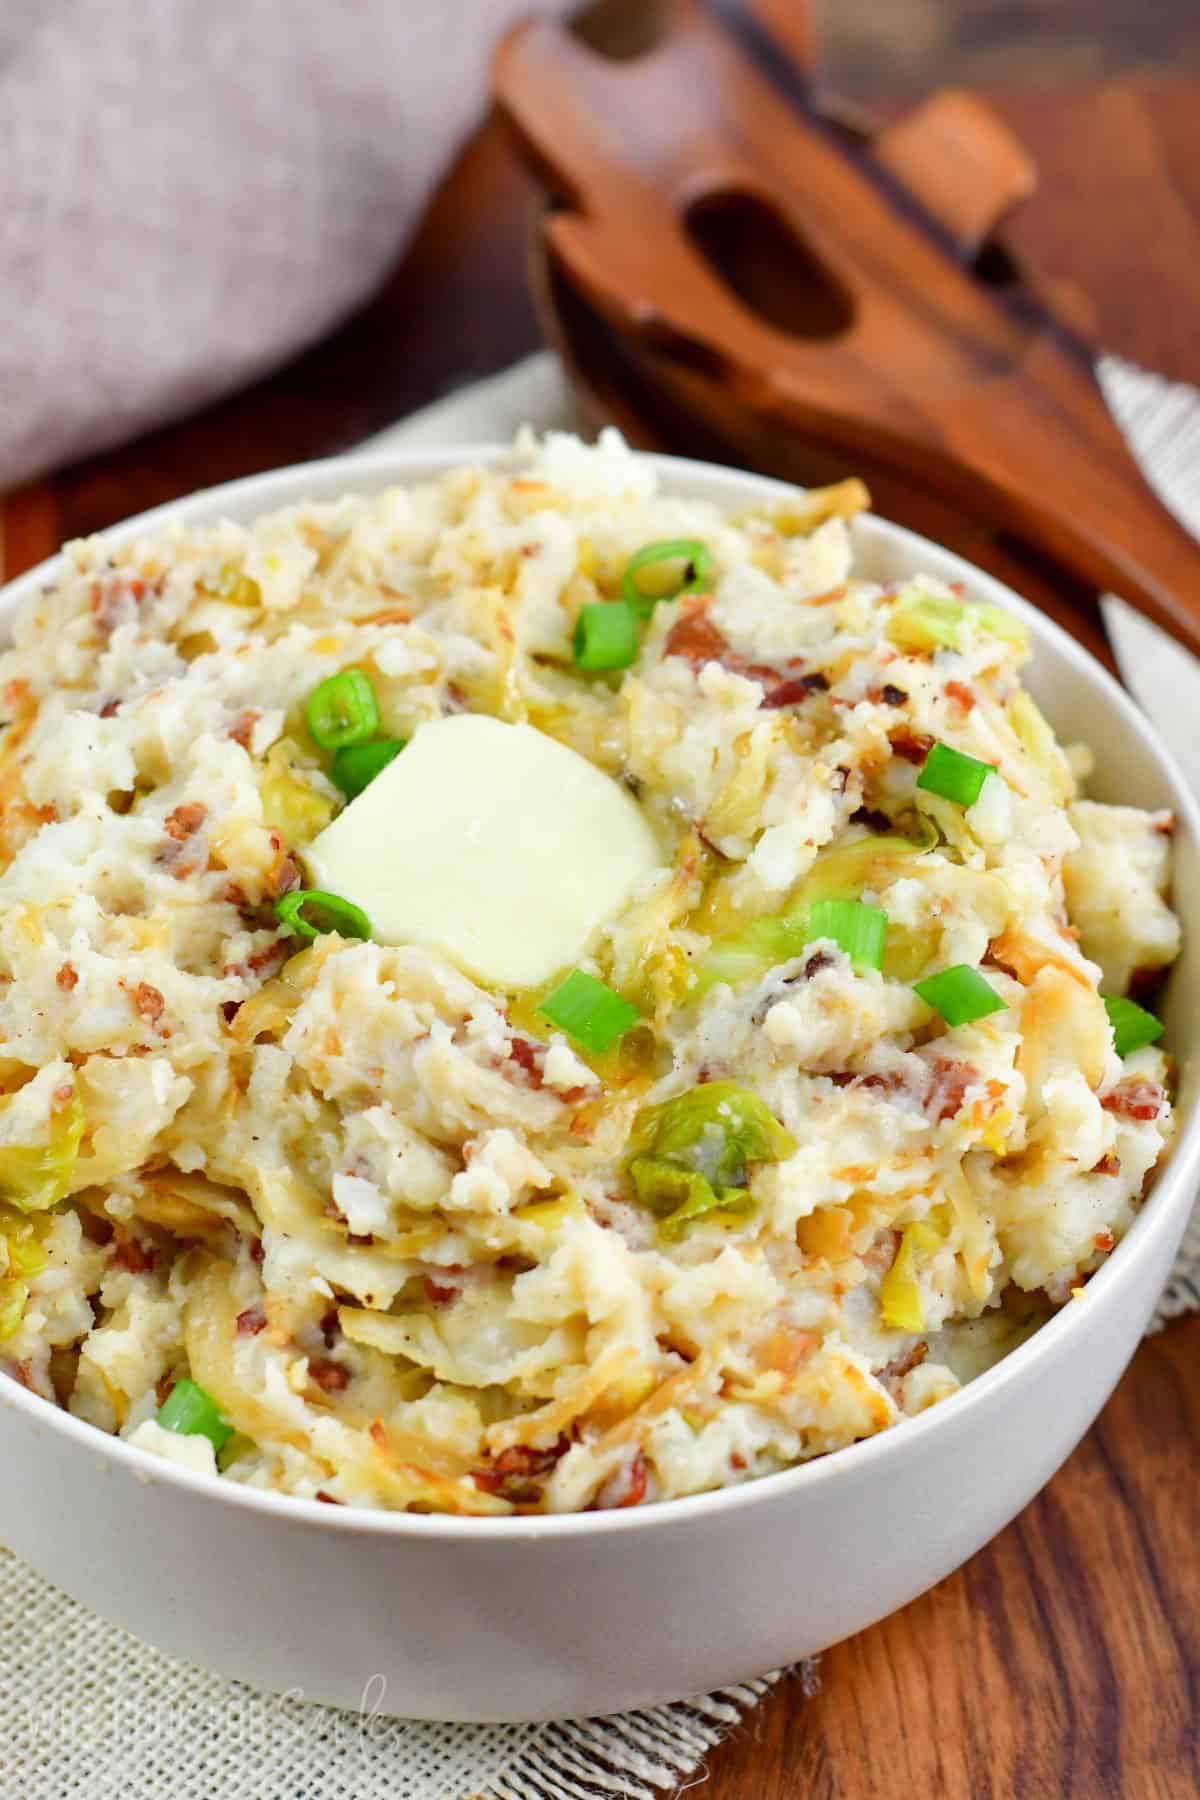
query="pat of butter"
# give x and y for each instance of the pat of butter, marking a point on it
(493, 843)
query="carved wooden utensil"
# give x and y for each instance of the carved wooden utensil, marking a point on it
(687, 180)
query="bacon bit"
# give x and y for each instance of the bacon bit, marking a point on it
(1134, 1099)
(233, 895)
(905, 1363)
(826, 599)
(131, 1256)
(185, 821)
(261, 959)
(790, 693)
(950, 1082)
(329, 1376)
(913, 746)
(527, 1459)
(1165, 824)
(626, 1488)
(242, 727)
(329, 1326)
(148, 1002)
(66, 978)
(884, 1084)
(437, 1293)
(110, 709)
(737, 1460)
(516, 1469)
(1109, 1164)
(252, 1321)
(256, 1252)
(524, 1052)
(696, 639)
(230, 1010)
(456, 694)
(891, 695)
(960, 692)
(326, 1499)
(285, 874)
(1104, 1240)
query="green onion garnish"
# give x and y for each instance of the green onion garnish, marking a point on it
(857, 929)
(607, 635)
(1132, 1026)
(954, 776)
(355, 766)
(191, 1412)
(697, 561)
(342, 710)
(310, 913)
(589, 1011)
(960, 994)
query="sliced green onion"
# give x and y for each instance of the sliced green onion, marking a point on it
(697, 560)
(960, 994)
(310, 913)
(589, 1011)
(342, 710)
(857, 929)
(191, 1412)
(355, 766)
(607, 635)
(954, 776)
(1132, 1026)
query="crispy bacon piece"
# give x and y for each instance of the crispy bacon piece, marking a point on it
(514, 1473)
(626, 1488)
(524, 1052)
(694, 637)
(902, 1365)
(66, 978)
(1109, 1164)
(913, 746)
(110, 709)
(331, 1377)
(1134, 1098)
(131, 1256)
(438, 1293)
(252, 1321)
(1104, 1240)
(241, 728)
(950, 1081)
(791, 693)
(148, 1002)
(185, 821)
(959, 692)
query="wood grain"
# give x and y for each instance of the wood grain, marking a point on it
(1064, 1660)
(781, 294)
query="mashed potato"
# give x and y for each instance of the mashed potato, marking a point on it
(418, 1248)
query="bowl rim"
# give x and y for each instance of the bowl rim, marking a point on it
(1168, 1202)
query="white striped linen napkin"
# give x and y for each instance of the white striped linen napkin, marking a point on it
(89, 1712)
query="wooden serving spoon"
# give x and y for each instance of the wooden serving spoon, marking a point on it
(685, 178)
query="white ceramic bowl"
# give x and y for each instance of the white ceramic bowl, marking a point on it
(536, 1618)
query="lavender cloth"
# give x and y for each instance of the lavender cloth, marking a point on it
(192, 190)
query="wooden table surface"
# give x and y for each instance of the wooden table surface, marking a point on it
(1065, 1658)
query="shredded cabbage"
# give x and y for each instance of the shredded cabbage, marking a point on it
(693, 1154)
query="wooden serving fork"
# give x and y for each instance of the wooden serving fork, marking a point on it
(882, 339)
